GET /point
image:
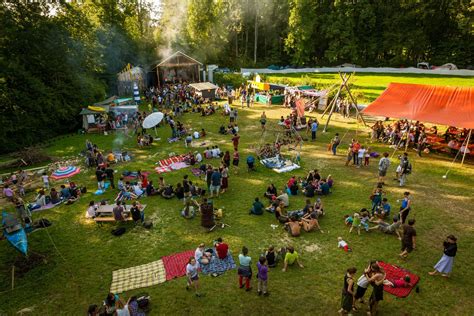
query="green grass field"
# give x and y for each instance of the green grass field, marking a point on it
(366, 86)
(80, 256)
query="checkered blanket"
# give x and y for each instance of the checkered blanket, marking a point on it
(175, 264)
(137, 277)
(218, 266)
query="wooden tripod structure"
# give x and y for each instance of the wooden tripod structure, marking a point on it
(332, 105)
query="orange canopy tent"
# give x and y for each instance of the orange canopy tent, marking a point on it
(453, 106)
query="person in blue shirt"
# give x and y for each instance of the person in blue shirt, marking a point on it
(314, 129)
(215, 186)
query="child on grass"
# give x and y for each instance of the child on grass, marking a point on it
(342, 244)
(356, 223)
(367, 156)
(262, 276)
(398, 283)
(348, 220)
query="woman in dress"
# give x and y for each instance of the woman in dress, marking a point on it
(347, 301)
(445, 264)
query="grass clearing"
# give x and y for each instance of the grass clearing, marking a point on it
(80, 256)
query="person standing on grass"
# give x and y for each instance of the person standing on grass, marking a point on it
(45, 179)
(445, 264)
(235, 141)
(376, 280)
(192, 275)
(245, 269)
(408, 238)
(263, 121)
(347, 301)
(216, 178)
(109, 172)
(355, 146)
(99, 173)
(314, 129)
(335, 143)
(235, 161)
(405, 169)
(262, 276)
(384, 163)
(225, 178)
(405, 207)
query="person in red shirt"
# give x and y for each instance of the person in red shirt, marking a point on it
(290, 182)
(222, 249)
(235, 141)
(355, 151)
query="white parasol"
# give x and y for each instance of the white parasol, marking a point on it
(152, 120)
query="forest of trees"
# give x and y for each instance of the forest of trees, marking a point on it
(56, 59)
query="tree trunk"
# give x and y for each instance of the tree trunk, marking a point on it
(236, 44)
(256, 34)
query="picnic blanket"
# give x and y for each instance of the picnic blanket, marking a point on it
(133, 175)
(279, 164)
(218, 266)
(197, 172)
(137, 277)
(46, 207)
(395, 272)
(169, 161)
(205, 143)
(175, 265)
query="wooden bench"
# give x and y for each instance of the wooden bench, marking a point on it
(109, 219)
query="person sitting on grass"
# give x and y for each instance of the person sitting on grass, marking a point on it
(293, 227)
(257, 207)
(271, 191)
(310, 223)
(55, 199)
(318, 207)
(189, 211)
(280, 213)
(383, 210)
(179, 191)
(323, 188)
(118, 212)
(399, 283)
(291, 257)
(294, 188)
(91, 210)
(272, 257)
(283, 197)
(138, 215)
(150, 189)
(202, 255)
(309, 190)
(168, 192)
(222, 249)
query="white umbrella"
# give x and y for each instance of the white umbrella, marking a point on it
(152, 120)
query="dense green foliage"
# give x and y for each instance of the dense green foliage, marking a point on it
(52, 64)
(326, 32)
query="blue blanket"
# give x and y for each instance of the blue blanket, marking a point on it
(218, 266)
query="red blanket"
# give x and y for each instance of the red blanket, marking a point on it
(395, 272)
(175, 265)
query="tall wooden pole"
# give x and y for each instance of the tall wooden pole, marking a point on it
(467, 147)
